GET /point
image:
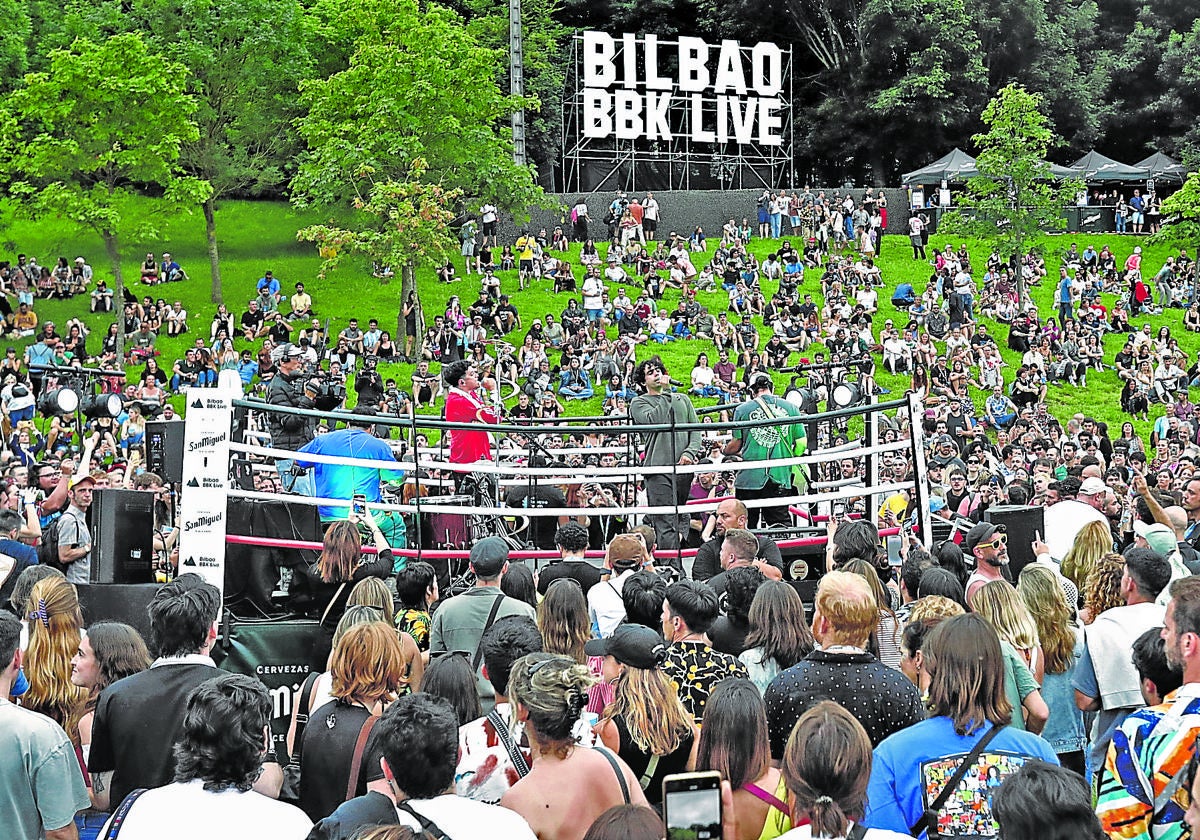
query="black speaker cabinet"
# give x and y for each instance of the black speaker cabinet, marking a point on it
(122, 523)
(164, 449)
(119, 602)
(1021, 523)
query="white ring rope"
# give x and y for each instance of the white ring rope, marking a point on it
(648, 510)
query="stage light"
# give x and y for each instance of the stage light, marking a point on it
(57, 402)
(846, 394)
(804, 399)
(102, 405)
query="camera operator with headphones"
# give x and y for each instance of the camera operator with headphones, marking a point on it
(290, 431)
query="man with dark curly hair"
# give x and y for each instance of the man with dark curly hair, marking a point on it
(226, 733)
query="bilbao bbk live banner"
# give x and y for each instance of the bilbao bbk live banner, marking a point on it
(277, 653)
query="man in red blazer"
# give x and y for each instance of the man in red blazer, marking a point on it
(464, 405)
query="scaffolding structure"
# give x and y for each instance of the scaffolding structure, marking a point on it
(592, 164)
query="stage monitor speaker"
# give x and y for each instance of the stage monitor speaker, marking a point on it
(803, 566)
(252, 571)
(126, 603)
(1021, 522)
(164, 449)
(122, 523)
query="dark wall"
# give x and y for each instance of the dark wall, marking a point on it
(682, 210)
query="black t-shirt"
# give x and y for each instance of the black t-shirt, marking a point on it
(329, 740)
(580, 570)
(728, 635)
(138, 720)
(541, 528)
(708, 556)
(252, 320)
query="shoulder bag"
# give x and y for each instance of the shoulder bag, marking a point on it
(928, 820)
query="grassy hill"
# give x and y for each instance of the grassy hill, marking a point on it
(257, 236)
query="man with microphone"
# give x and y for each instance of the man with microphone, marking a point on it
(659, 405)
(466, 403)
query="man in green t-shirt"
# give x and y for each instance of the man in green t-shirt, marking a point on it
(765, 443)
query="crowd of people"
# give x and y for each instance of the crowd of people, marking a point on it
(928, 692)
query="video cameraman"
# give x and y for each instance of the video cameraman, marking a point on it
(369, 384)
(290, 388)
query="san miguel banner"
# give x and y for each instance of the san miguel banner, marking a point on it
(639, 87)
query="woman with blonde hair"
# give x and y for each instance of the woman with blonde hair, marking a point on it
(1103, 589)
(562, 619)
(1062, 644)
(367, 670)
(645, 724)
(734, 742)
(826, 765)
(374, 593)
(999, 604)
(568, 786)
(55, 632)
(1093, 541)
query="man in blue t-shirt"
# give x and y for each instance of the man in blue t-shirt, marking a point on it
(345, 481)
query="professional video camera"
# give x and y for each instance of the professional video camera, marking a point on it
(327, 393)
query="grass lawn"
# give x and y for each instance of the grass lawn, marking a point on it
(257, 236)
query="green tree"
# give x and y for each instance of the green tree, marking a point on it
(1014, 198)
(418, 87)
(103, 117)
(247, 60)
(1181, 215)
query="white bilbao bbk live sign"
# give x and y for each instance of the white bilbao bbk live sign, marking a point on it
(729, 93)
(204, 498)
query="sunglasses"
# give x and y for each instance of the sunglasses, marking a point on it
(995, 542)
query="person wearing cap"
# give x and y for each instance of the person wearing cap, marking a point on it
(1105, 680)
(170, 271)
(290, 431)
(946, 454)
(987, 543)
(645, 724)
(755, 441)
(460, 622)
(625, 555)
(1093, 491)
(74, 539)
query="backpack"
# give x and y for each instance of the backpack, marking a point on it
(48, 546)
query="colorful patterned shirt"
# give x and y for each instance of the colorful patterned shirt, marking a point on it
(1142, 794)
(694, 669)
(416, 624)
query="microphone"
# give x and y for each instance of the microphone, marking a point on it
(676, 383)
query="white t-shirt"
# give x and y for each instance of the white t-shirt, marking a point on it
(466, 819)
(186, 811)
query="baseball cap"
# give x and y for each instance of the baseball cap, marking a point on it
(291, 351)
(488, 556)
(945, 439)
(626, 550)
(981, 533)
(82, 478)
(634, 645)
(1158, 536)
(936, 503)
(1091, 486)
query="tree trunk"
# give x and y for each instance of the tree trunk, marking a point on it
(408, 285)
(114, 259)
(214, 258)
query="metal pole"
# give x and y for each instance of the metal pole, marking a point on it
(920, 476)
(516, 71)
(416, 480)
